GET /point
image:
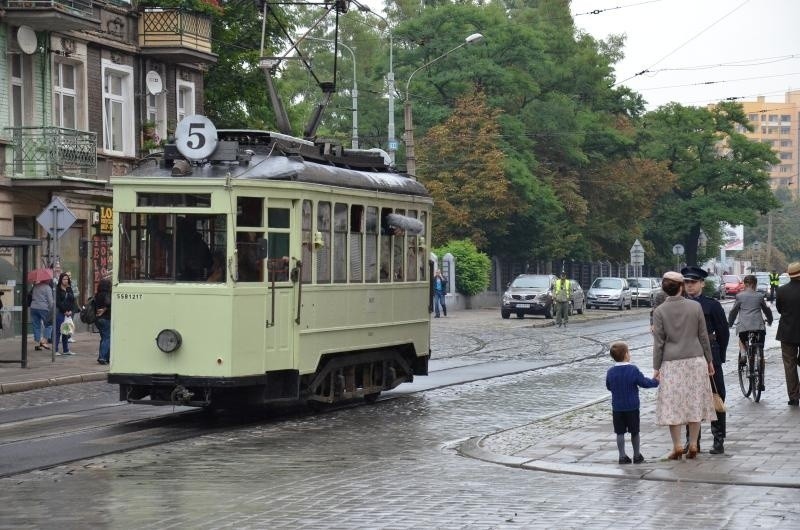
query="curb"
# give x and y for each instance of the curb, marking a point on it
(22, 386)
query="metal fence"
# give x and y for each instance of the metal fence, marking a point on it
(51, 152)
(584, 272)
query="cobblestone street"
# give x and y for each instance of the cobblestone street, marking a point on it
(395, 464)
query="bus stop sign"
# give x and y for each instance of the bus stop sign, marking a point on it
(56, 218)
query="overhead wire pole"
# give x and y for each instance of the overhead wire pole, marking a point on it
(390, 138)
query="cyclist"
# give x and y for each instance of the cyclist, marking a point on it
(749, 306)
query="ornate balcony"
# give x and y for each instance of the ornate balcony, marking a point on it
(53, 15)
(176, 36)
(51, 152)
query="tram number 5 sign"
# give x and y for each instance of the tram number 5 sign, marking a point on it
(196, 137)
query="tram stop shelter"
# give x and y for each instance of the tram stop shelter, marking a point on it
(26, 245)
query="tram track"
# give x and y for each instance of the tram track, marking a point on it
(50, 435)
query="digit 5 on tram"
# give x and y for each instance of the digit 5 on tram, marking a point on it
(274, 269)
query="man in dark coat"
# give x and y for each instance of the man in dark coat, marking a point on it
(788, 305)
(718, 334)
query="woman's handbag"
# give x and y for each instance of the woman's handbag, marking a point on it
(719, 405)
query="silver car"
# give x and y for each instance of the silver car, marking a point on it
(529, 294)
(643, 291)
(609, 292)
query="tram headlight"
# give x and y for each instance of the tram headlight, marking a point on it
(168, 340)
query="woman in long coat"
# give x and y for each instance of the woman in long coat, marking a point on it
(683, 363)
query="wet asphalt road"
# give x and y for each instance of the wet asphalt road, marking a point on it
(392, 465)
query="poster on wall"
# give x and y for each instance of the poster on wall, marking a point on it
(101, 259)
(732, 237)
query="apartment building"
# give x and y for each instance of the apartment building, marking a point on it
(89, 88)
(776, 123)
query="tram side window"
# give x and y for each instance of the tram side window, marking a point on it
(278, 244)
(307, 236)
(340, 243)
(386, 248)
(172, 247)
(249, 211)
(356, 242)
(422, 257)
(411, 268)
(371, 245)
(398, 263)
(250, 267)
(324, 252)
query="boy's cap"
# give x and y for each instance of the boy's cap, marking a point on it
(672, 275)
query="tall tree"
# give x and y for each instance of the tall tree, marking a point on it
(465, 173)
(721, 175)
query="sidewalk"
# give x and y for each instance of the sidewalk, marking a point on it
(760, 449)
(42, 371)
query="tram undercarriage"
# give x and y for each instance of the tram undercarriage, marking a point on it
(339, 377)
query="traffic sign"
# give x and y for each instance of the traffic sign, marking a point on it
(393, 145)
(637, 253)
(677, 250)
(56, 218)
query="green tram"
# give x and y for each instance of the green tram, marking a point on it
(277, 269)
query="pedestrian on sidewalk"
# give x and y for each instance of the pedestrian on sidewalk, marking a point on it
(562, 293)
(719, 335)
(439, 293)
(623, 380)
(102, 302)
(682, 362)
(41, 305)
(77, 294)
(787, 302)
(65, 305)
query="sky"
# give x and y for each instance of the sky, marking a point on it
(701, 51)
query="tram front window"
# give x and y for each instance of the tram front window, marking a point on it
(172, 247)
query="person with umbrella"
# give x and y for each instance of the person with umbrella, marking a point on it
(41, 305)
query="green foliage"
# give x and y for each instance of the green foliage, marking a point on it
(472, 266)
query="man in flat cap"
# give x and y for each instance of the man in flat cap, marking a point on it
(788, 304)
(718, 334)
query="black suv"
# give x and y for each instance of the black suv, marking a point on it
(529, 294)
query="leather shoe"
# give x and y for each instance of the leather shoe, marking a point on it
(717, 450)
(625, 459)
(638, 459)
(794, 402)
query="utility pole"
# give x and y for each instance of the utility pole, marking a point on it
(769, 241)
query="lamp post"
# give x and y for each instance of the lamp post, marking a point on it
(411, 162)
(355, 89)
(391, 140)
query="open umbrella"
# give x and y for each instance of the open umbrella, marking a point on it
(40, 275)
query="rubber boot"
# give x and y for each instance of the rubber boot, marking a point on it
(718, 431)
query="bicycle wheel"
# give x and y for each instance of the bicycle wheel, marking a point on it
(744, 380)
(758, 381)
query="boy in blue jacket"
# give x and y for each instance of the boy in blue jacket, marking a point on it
(623, 380)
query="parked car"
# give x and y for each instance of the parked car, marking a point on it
(578, 301)
(733, 284)
(529, 294)
(714, 287)
(762, 285)
(643, 290)
(609, 292)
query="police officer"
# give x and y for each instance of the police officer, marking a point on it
(774, 282)
(718, 334)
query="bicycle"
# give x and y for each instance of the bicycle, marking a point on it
(751, 367)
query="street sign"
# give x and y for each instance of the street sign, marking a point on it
(677, 249)
(637, 253)
(56, 218)
(393, 145)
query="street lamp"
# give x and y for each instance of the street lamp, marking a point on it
(411, 162)
(355, 89)
(391, 140)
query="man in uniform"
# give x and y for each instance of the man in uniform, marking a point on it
(562, 293)
(718, 334)
(774, 282)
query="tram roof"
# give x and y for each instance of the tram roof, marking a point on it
(276, 157)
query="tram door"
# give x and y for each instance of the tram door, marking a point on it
(281, 294)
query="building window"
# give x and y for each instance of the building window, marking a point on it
(786, 130)
(752, 117)
(784, 155)
(185, 99)
(157, 112)
(20, 67)
(786, 118)
(773, 118)
(65, 95)
(786, 143)
(117, 109)
(785, 168)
